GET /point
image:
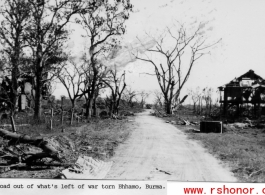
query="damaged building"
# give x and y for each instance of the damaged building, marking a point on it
(26, 92)
(243, 96)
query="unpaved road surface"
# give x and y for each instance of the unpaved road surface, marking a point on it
(159, 151)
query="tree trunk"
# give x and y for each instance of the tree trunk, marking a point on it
(14, 80)
(38, 76)
(86, 107)
(89, 108)
(91, 97)
(199, 107)
(168, 108)
(114, 104)
(118, 104)
(93, 61)
(142, 103)
(72, 113)
(38, 97)
(48, 149)
(94, 107)
(111, 108)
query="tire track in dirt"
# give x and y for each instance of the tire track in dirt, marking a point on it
(159, 151)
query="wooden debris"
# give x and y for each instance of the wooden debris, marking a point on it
(163, 171)
(13, 124)
(185, 122)
(48, 150)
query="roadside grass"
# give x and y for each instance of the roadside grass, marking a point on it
(242, 150)
(103, 136)
(97, 139)
(26, 124)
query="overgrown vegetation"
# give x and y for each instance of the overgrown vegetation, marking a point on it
(97, 139)
(240, 147)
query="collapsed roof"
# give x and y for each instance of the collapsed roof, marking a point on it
(248, 80)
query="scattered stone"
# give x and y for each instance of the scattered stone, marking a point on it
(173, 122)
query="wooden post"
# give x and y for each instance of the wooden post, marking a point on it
(72, 116)
(13, 124)
(62, 118)
(225, 102)
(62, 99)
(51, 112)
(51, 124)
(51, 119)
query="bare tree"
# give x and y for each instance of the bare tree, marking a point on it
(102, 25)
(176, 103)
(207, 97)
(216, 100)
(143, 96)
(15, 20)
(200, 109)
(93, 83)
(72, 77)
(158, 98)
(174, 71)
(117, 86)
(46, 37)
(195, 97)
(129, 96)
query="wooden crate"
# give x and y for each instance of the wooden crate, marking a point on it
(211, 127)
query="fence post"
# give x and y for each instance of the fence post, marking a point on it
(13, 124)
(51, 119)
(51, 124)
(62, 118)
(51, 112)
(62, 98)
(72, 116)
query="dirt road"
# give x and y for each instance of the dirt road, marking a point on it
(159, 151)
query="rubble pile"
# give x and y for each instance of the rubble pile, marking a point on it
(215, 113)
(158, 113)
(245, 123)
(181, 121)
(54, 153)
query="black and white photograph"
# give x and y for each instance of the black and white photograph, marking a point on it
(132, 90)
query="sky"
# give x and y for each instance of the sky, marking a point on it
(240, 24)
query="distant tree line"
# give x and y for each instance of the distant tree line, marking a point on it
(203, 100)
